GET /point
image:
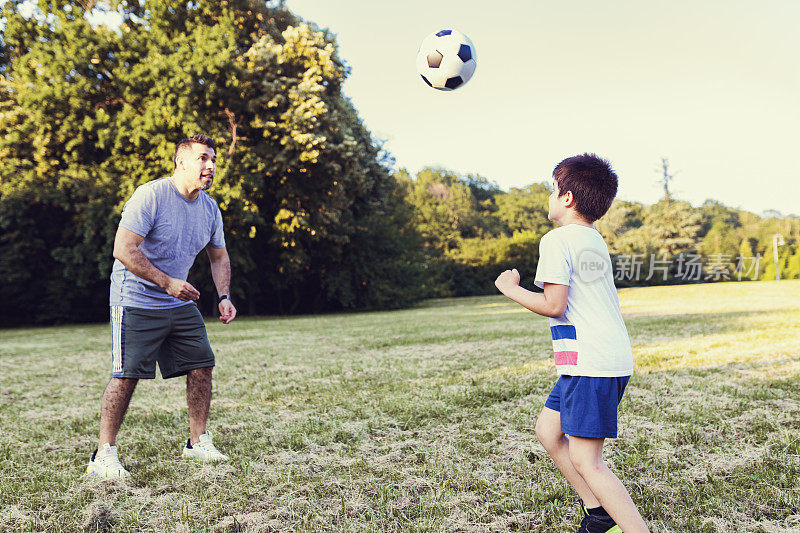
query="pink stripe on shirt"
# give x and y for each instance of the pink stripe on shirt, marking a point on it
(566, 358)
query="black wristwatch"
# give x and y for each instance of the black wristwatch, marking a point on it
(224, 297)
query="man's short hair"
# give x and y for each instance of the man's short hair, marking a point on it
(592, 181)
(198, 138)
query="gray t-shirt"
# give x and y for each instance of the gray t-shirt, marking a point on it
(175, 230)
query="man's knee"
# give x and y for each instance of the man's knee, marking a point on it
(200, 372)
(121, 385)
(117, 395)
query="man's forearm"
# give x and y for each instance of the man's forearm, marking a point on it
(221, 272)
(136, 262)
(533, 301)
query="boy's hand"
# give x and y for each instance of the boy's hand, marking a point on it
(506, 280)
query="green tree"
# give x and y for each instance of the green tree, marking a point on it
(793, 265)
(524, 209)
(716, 213)
(621, 218)
(721, 238)
(747, 247)
(89, 113)
(445, 208)
(669, 228)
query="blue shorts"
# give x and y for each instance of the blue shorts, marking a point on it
(588, 405)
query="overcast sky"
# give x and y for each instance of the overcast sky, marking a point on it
(712, 85)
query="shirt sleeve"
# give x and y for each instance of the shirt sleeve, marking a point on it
(217, 234)
(554, 265)
(139, 212)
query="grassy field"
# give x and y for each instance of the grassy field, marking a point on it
(416, 420)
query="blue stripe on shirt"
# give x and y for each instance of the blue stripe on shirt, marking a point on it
(563, 332)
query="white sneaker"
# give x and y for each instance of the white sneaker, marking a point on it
(203, 450)
(105, 463)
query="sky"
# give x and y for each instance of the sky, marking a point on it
(714, 86)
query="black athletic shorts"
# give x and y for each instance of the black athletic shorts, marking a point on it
(175, 338)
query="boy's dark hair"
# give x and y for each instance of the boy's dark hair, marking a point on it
(198, 138)
(592, 181)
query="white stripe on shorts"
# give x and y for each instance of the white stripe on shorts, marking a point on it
(116, 338)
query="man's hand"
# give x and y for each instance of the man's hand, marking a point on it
(182, 290)
(221, 272)
(227, 311)
(506, 280)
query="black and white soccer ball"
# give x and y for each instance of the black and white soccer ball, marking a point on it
(446, 60)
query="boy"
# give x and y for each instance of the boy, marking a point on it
(592, 349)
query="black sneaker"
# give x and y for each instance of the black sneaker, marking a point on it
(598, 521)
(585, 522)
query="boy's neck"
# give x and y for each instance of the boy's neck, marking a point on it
(571, 217)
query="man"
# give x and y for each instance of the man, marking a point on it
(164, 225)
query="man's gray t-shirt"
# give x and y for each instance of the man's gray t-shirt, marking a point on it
(175, 230)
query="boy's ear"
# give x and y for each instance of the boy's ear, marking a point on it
(568, 199)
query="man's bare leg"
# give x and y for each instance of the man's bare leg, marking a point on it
(548, 431)
(198, 398)
(116, 399)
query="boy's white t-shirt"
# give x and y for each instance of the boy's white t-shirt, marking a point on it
(590, 339)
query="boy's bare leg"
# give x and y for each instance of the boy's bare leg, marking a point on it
(116, 399)
(587, 457)
(198, 398)
(548, 431)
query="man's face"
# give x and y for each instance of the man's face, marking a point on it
(200, 163)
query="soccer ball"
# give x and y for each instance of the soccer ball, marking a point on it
(446, 60)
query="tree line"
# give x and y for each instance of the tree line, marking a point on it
(472, 229)
(316, 219)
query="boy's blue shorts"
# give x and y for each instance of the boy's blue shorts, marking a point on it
(588, 405)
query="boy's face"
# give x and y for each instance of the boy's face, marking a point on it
(557, 207)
